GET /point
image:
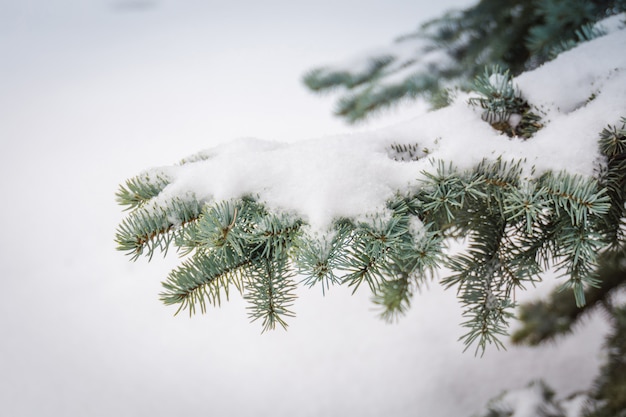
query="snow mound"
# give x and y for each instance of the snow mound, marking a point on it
(577, 95)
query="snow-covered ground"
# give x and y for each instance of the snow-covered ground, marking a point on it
(93, 92)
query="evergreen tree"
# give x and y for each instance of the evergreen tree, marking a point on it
(518, 223)
(447, 53)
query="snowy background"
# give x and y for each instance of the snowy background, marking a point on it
(91, 93)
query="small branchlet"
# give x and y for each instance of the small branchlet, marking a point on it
(504, 107)
(319, 260)
(158, 226)
(271, 292)
(612, 177)
(137, 191)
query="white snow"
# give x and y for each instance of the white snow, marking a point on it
(348, 176)
(91, 95)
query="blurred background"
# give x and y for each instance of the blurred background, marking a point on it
(93, 92)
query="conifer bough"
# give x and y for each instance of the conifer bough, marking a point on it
(519, 211)
(516, 228)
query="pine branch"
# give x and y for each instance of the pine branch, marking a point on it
(372, 245)
(358, 104)
(538, 401)
(274, 235)
(578, 241)
(221, 238)
(608, 394)
(442, 195)
(319, 260)
(445, 54)
(327, 78)
(364, 266)
(539, 222)
(414, 253)
(157, 226)
(584, 33)
(271, 292)
(483, 279)
(516, 227)
(579, 197)
(202, 278)
(501, 100)
(227, 224)
(394, 296)
(612, 177)
(545, 320)
(560, 19)
(140, 189)
(528, 206)
(234, 242)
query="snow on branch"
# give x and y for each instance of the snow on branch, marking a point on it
(374, 208)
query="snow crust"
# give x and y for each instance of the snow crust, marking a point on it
(578, 94)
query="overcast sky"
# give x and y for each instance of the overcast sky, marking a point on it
(93, 92)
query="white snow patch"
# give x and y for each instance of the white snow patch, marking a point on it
(578, 93)
(612, 23)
